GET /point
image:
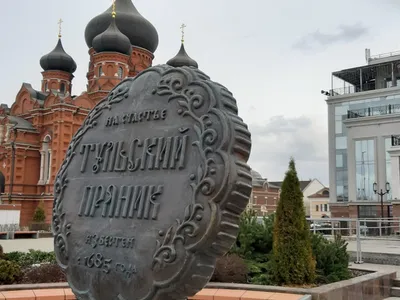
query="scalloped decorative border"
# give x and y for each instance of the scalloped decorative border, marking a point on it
(228, 200)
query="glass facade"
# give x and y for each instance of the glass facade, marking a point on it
(341, 110)
(365, 169)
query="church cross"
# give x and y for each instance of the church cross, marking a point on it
(59, 27)
(183, 33)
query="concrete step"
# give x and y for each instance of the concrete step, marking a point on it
(393, 298)
(395, 292)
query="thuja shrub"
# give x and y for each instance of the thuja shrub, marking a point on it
(230, 268)
(10, 272)
(39, 215)
(292, 258)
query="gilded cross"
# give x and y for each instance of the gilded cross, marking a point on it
(114, 13)
(183, 26)
(59, 27)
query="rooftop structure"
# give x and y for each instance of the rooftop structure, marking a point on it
(380, 72)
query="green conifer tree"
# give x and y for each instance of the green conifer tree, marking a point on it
(39, 215)
(292, 262)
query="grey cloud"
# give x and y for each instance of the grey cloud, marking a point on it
(345, 34)
(280, 138)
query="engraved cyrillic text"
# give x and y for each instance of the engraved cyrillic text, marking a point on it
(109, 241)
(157, 153)
(127, 201)
(137, 117)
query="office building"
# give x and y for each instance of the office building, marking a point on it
(363, 121)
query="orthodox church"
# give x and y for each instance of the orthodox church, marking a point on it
(35, 132)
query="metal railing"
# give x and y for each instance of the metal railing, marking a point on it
(374, 111)
(384, 55)
(351, 89)
(395, 140)
(9, 227)
(357, 230)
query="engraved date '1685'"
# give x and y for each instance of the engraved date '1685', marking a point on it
(98, 261)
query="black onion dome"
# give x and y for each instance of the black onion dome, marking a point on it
(182, 59)
(58, 60)
(130, 22)
(112, 40)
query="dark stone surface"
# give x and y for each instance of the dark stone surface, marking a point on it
(151, 188)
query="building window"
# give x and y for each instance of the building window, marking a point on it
(365, 169)
(316, 207)
(342, 186)
(100, 71)
(46, 86)
(338, 127)
(388, 146)
(339, 160)
(325, 207)
(62, 87)
(341, 142)
(45, 161)
(120, 72)
(367, 211)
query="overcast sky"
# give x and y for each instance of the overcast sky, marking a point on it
(275, 56)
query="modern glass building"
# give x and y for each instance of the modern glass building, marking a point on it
(363, 117)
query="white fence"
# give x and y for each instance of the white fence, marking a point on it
(357, 230)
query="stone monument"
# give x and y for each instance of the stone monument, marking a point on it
(151, 188)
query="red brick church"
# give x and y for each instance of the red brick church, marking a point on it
(35, 132)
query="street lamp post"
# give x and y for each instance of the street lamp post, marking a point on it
(381, 193)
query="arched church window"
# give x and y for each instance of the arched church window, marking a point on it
(120, 72)
(45, 161)
(62, 87)
(100, 71)
(46, 86)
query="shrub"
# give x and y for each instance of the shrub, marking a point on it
(10, 272)
(293, 261)
(254, 240)
(332, 259)
(230, 268)
(259, 272)
(45, 273)
(26, 259)
(39, 215)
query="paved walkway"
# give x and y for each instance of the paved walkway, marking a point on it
(376, 246)
(24, 245)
